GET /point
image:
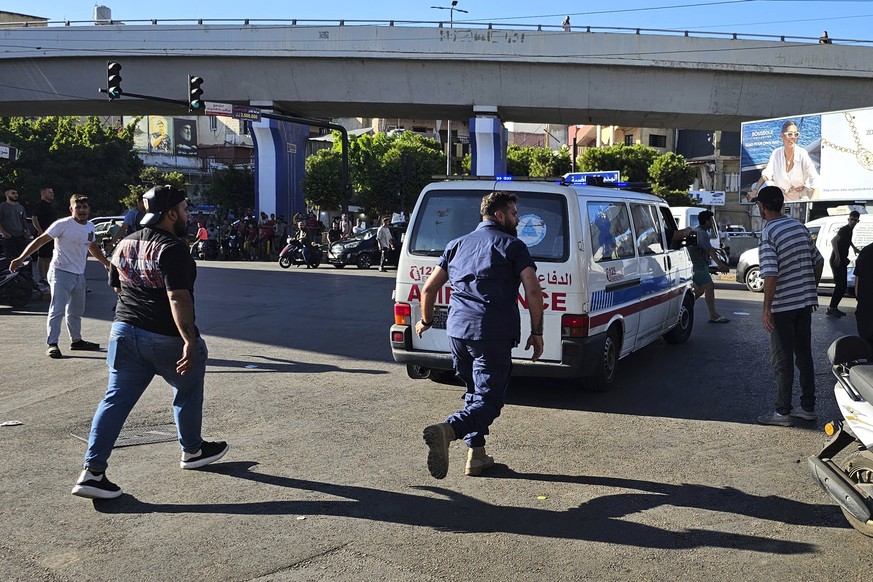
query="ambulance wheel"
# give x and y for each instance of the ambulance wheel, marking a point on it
(284, 262)
(682, 331)
(338, 265)
(604, 377)
(442, 376)
(417, 372)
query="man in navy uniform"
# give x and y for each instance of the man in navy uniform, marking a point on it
(484, 269)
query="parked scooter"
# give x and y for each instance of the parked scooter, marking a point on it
(16, 289)
(292, 254)
(205, 250)
(850, 484)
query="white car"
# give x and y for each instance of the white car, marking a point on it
(749, 273)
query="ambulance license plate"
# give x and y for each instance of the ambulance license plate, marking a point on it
(440, 315)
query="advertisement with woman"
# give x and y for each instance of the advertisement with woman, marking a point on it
(825, 156)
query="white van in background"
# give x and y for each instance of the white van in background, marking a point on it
(611, 284)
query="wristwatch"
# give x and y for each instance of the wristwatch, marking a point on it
(425, 323)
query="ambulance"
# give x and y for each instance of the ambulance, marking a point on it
(611, 282)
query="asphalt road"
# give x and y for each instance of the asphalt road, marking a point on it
(665, 477)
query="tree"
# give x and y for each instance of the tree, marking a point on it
(73, 156)
(546, 163)
(232, 188)
(148, 178)
(518, 160)
(386, 171)
(322, 180)
(632, 161)
(670, 177)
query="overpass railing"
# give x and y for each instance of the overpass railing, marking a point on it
(432, 23)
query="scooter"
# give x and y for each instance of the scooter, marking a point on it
(205, 250)
(231, 248)
(292, 254)
(850, 483)
(16, 288)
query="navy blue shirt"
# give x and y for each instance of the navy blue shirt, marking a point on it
(484, 269)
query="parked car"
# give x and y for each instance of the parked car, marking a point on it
(99, 219)
(749, 273)
(361, 249)
(104, 231)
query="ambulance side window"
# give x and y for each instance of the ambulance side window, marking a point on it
(647, 230)
(611, 234)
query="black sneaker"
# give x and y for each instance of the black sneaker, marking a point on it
(83, 345)
(208, 453)
(91, 486)
(53, 351)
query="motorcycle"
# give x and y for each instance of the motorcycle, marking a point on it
(205, 250)
(231, 250)
(850, 483)
(292, 254)
(16, 288)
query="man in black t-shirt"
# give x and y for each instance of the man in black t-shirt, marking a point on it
(43, 216)
(153, 334)
(840, 262)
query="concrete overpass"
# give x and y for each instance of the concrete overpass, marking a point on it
(325, 70)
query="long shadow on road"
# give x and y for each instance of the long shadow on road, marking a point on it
(598, 520)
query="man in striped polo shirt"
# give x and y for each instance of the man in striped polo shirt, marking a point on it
(791, 267)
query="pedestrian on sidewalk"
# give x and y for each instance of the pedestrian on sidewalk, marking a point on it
(153, 334)
(840, 244)
(791, 267)
(385, 242)
(43, 216)
(484, 269)
(74, 238)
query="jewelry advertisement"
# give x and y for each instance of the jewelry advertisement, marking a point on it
(821, 156)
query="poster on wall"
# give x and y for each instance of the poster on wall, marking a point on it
(160, 130)
(185, 136)
(140, 132)
(833, 155)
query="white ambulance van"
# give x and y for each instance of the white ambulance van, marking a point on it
(610, 282)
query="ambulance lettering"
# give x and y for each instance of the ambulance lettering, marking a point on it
(555, 301)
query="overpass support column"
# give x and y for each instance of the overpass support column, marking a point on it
(488, 139)
(280, 157)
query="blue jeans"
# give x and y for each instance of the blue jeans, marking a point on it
(484, 367)
(135, 356)
(68, 299)
(790, 345)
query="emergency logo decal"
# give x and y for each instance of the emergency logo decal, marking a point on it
(531, 230)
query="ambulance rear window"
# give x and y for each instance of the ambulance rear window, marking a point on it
(447, 215)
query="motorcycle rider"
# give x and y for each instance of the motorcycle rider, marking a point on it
(304, 241)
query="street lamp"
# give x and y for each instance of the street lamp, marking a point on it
(452, 9)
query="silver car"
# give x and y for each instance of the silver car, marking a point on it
(749, 273)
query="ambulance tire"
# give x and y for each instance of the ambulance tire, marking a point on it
(417, 372)
(604, 377)
(443, 376)
(682, 331)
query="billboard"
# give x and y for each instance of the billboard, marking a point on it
(160, 130)
(828, 157)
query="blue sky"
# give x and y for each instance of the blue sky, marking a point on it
(843, 19)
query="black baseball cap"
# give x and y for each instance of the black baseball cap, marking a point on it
(158, 200)
(769, 195)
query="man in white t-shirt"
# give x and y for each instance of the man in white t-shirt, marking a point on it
(74, 239)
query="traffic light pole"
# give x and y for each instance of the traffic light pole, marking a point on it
(346, 184)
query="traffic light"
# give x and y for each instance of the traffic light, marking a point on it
(195, 103)
(113, 80)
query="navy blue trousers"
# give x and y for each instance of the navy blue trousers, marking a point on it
(484, 367)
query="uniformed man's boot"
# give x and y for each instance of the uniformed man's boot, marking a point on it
(477, 461)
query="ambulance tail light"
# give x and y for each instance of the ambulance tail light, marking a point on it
(402, 314)
(574, 325)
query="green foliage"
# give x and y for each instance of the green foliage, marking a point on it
(540, 162)
(678, 198)
(632, 161)
(670, 173)
(73, 156)
(322, 181)
(232, 188)
(148, 178)
(386, 171)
